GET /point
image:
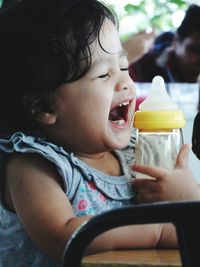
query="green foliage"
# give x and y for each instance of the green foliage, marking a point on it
(146, 14)
(160, 12)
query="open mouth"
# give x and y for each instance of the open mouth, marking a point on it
(119, 114)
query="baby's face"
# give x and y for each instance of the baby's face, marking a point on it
(94, 114)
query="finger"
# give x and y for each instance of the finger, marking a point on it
(183, 157)
(154, 172)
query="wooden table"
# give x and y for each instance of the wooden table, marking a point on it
(134, 258)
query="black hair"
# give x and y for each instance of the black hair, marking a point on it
(44, 43)
(190, 23)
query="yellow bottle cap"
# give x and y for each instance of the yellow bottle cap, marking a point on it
(159, 119)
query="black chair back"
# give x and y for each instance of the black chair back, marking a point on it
(184, 215)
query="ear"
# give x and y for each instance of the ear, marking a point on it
(46, 118)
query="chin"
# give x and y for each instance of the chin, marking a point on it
(122, 142)
(118, 138)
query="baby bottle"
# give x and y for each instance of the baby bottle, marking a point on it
(158, 124)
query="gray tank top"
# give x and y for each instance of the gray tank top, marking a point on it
(90, 192)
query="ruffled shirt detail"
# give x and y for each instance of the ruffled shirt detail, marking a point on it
(90, 192)
(114, 187)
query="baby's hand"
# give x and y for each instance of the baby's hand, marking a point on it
(179, 184)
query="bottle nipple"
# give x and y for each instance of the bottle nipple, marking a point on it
(158, 111)
(158, 99)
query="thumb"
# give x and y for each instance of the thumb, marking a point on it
(182, 159)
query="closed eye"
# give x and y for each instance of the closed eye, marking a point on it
(124, 69)
(107, 74)
(103, 75)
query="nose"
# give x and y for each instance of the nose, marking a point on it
(125, 83)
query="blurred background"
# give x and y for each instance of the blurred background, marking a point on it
(145, 15)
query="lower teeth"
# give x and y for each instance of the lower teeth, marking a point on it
(120, 122)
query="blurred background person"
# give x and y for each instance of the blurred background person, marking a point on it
(176, 57)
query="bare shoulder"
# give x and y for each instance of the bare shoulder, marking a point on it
(30, 166)
(28, 176)
(31, 162)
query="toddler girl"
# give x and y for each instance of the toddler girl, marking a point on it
(66, 110)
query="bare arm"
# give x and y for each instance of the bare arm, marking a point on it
(35, 194)
(138, 44)
(179, 184)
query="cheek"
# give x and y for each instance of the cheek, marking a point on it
(101, 99)
(99, 110)
(93, 109)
